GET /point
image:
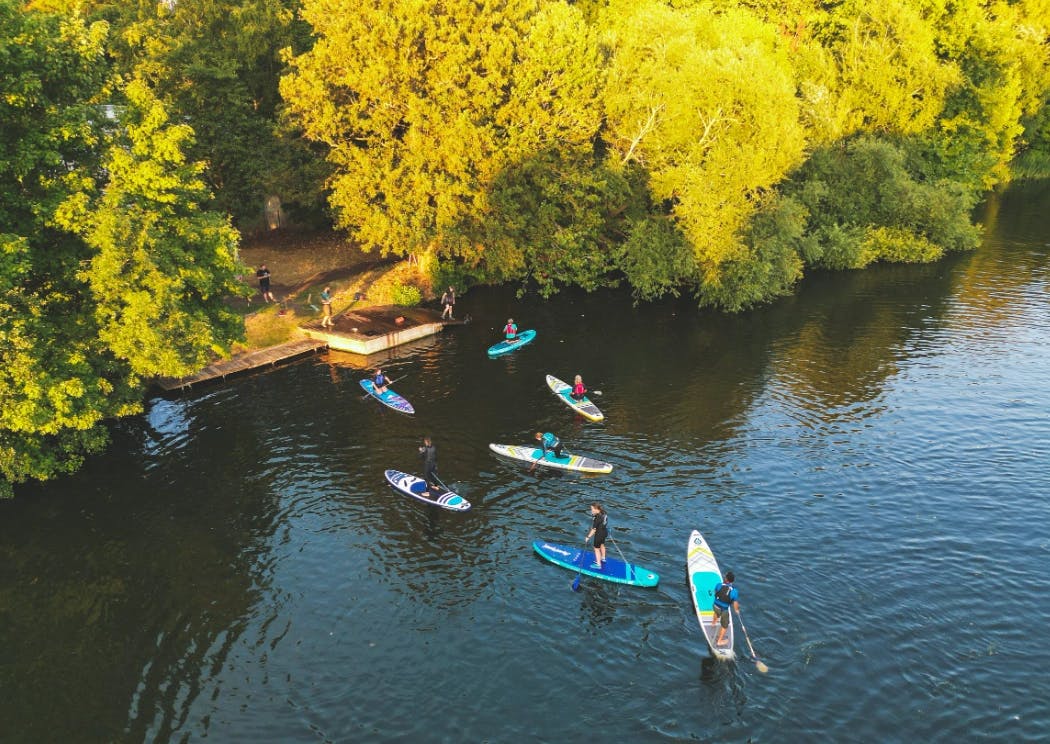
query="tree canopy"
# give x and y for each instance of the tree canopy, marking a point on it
(110, 269)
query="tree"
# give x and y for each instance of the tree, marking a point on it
(163, 265)
(705, 103)
(56, 382)
(215, 64)
(67, 365)
(423, 106)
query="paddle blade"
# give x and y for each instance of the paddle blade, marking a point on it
(576, 583)
(760, 666)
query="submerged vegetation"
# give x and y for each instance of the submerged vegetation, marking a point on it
(716, 148)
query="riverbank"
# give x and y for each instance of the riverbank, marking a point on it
(301, 265)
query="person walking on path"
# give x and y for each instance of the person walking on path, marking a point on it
(599, 531)
(725, 595)
(326, 306)
(263, 275)
(429, 454)
(448, 301)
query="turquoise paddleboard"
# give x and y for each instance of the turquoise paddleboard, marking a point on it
(582, 561)
(505, 347)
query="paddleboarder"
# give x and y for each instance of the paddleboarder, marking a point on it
(429, 454)
(599, 531)
(579, 392)
(380, 381)
(510, 331)
(548, 443)
(725, 595)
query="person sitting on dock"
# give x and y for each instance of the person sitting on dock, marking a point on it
(510, 331)
(579, 392)
(429, 454)
(380, 381)
(548, 443)
(725, 595)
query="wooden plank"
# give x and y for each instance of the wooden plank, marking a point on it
(244, 363)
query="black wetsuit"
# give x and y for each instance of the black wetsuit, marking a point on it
(430, 464)
(600, 523)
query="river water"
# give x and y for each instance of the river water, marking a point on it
(871, 456)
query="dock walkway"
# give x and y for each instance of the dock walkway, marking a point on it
(245, 363)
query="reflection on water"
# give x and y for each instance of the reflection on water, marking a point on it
(869, 456)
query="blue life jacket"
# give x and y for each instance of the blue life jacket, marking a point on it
(549, 440)
(724, 594)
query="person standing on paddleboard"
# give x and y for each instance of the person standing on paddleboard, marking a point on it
(725, 595)
(430, 463)
(599, 531)
(510, 331)
(579, 392)
(380, 381)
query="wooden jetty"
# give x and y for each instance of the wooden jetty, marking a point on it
(376, 329)
(245, 363)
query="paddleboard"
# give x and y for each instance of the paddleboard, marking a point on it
(415, 487)
(582, 561)
(704, 575)
(505, 347)
(389, 398)
(576, 463)
(583, 407)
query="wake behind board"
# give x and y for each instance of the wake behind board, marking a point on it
(576, 463)
(704, 575)
(583, 407)
(415, 487)
(389, 398)
(582, 561)
(505, 347)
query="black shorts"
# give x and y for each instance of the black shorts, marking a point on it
(599, 538)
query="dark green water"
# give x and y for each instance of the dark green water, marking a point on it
(871, 457)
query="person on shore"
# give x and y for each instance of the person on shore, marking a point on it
(380, 381)
(510, 331)
(599, 531)
(429, 454)
(448, 301)
(725, 595)
(548, 443)
(579, 392)
(263, 275)
(326, 307)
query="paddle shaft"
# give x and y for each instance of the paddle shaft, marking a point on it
(576, 581)
(759, 665)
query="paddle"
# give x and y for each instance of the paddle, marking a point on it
(576, 581)
(759, 665)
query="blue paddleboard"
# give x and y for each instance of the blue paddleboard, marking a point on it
(582, 561)
(505, 347)
(389, 398)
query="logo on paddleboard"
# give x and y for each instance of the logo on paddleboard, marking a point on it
(556, 549)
